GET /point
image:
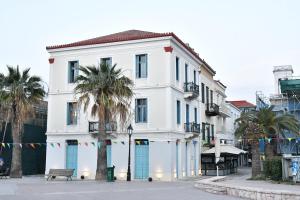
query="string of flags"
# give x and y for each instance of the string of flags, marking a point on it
(268, 140)
(35, 145)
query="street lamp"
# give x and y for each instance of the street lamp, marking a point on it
(129, 131)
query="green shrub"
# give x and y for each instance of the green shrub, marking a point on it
(273, 169)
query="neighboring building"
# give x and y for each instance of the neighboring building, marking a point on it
(231, 126)
(243, 105)
(286, 100)
(33, 159)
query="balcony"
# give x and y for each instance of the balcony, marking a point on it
(109, 127)
(212, 109)
(192, 127)
(224, 110)
(191, 90)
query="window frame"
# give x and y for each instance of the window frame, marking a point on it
(138, 66)
(106, 58)
(75, 109)
(143, 110)
(178, 112)
(177, 65)
(76, 71)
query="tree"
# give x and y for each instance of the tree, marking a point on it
(275, 126)
(255, 125)
(21, 92)
(109, 94)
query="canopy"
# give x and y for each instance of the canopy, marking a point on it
(225, 149)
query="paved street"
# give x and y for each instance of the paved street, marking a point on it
(39, 189)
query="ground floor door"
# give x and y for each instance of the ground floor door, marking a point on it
(177, 159)
(72, 155)
(195, 158)
(108, 153)
(141, 159)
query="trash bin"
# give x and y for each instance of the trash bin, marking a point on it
(110, 174)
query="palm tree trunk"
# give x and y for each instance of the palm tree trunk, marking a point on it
(256, 170)
(16, 163)
(101, 153)
(269, 151)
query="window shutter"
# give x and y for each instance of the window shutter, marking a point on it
(137, 66)
(68, 114)
(69, 72)
(76, 69)
(146, 66)
(135, 112)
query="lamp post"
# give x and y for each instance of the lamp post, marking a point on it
(129, 131)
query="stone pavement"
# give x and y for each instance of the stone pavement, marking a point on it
(36, 188)
(238, 185)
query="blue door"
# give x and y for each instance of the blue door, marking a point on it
(108, 153)
(141, 159)
(195, 158)
(177, 159)
(72, 155)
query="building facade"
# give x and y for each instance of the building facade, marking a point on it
(166, 106)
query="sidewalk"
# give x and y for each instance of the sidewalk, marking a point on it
(238, 185)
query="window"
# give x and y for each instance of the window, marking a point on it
(211, 97)
(207, 95)
(107, 61)
(73, 70)
(186, 72)
(177, 69)
(208, 133)
(203, 131)
(178, 110)
(141, 110)
(72, 113)
(195, 115)
(202, 92)
(195, 78)
(187, 113)
(141, 66)
(212, 132)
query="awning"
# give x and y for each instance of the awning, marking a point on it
(229, 149)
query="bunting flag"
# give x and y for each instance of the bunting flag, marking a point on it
(3, 144)
(137, 142)
(99, 145)
(20, 145)
(52, 144)
(289, 139)
(58, 144)
(86, 144)
(93, 143)
(8, 145)
(123, 142)
(32, 145)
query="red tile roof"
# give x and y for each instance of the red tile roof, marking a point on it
(241, 104)
(128, 36)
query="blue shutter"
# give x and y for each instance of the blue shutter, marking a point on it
(108, 153)
(137, 66)
(68, 114)
(136, 111)
(76, 70)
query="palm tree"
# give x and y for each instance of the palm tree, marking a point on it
(22, 91)
(274, 126)
(109, 93)
(260, 124)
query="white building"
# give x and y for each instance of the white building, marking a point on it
(167, 108)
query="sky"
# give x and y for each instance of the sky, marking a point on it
(242, 40)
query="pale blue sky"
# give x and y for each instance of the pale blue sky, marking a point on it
(241, 40)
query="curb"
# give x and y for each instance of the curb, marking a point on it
(213, 185)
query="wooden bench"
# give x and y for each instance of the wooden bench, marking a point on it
(60, 172)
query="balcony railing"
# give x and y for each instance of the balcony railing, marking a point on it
(192, 89)
(192, 127)
(109, 127)
(224, 110)
(212, 109)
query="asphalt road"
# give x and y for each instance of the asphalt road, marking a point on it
(39, 189)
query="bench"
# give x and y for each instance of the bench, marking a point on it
(60, 172)
(4, 174)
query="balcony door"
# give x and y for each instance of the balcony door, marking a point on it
(187, 113)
